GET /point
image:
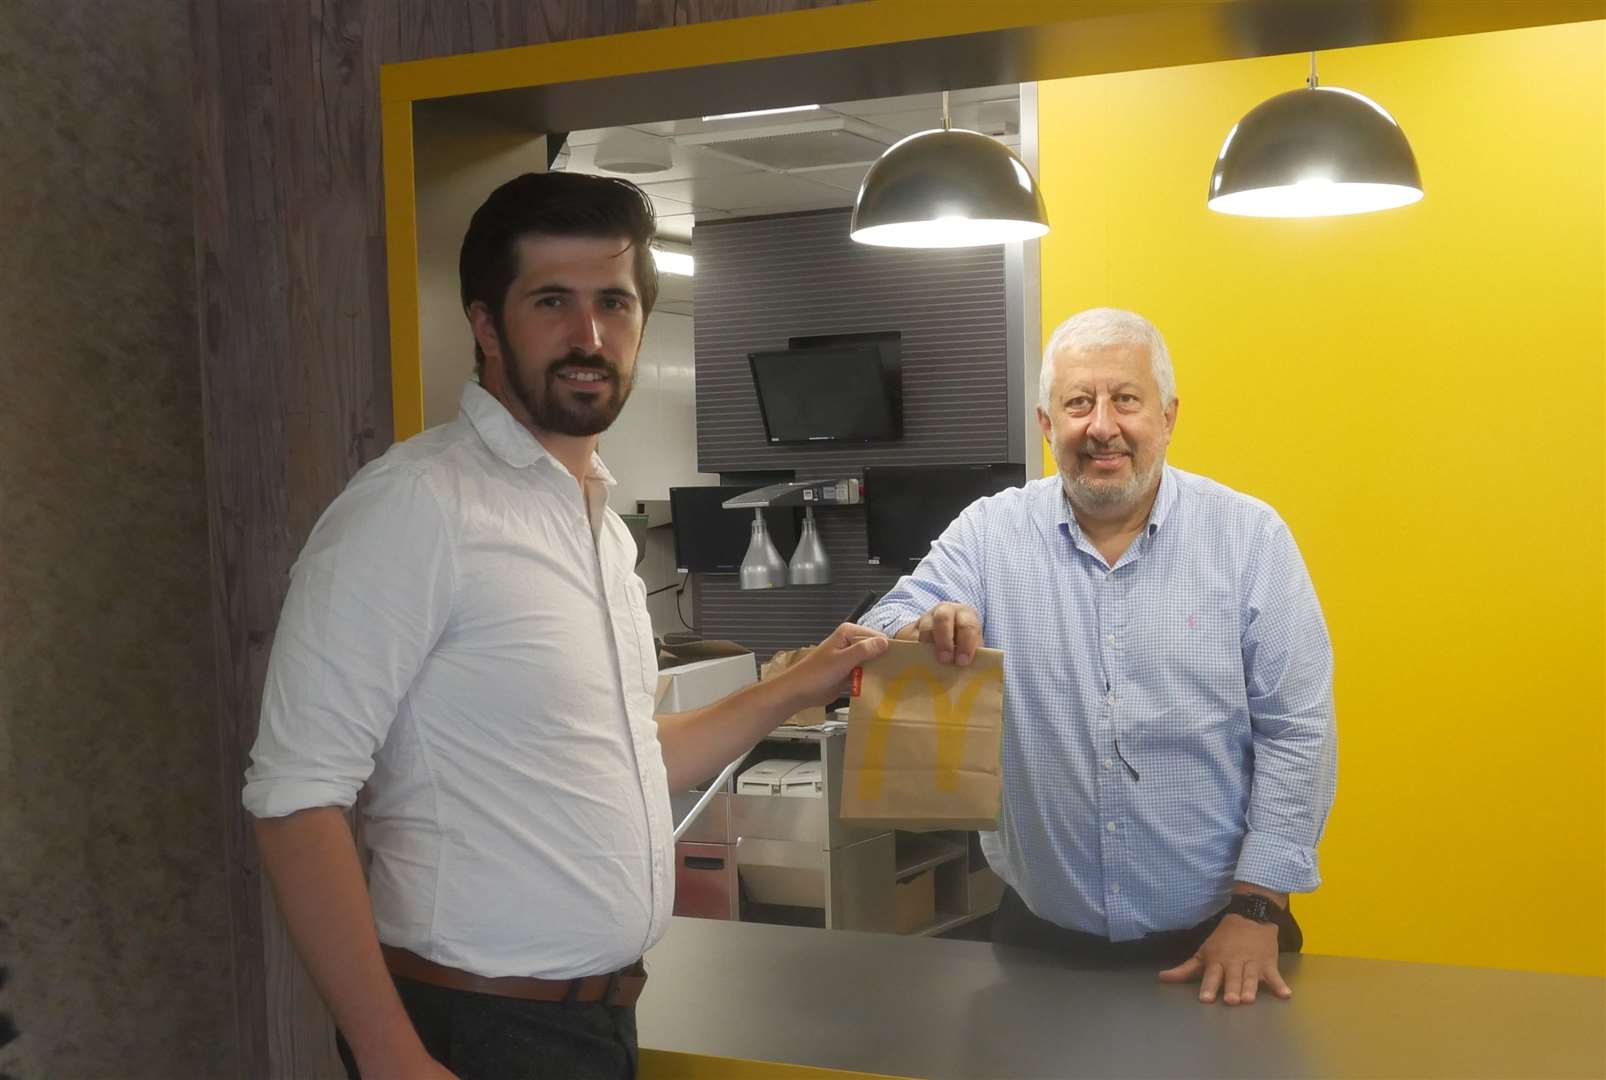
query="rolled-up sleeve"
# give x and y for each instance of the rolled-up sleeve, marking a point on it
(1288, 670)
(368, 600)
(951, 572)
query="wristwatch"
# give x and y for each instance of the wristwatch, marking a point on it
(1256, 908)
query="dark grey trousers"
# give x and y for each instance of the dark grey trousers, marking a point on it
(485, 1037)
(1015, 924)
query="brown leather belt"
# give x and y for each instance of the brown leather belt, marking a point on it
(620, 988)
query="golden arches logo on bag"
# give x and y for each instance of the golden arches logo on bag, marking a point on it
(952, 715)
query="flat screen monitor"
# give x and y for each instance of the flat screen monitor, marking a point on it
(712, 540)
(906, 507)
(842, 388)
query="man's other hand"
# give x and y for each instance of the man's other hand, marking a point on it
(1234, 960)
(954, 630)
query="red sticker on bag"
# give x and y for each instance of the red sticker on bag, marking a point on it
(858, 680)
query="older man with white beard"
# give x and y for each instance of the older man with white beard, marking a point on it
(1169, 747)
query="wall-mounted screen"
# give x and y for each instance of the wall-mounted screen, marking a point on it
(906, 507)
(831, 389)
(712, 540)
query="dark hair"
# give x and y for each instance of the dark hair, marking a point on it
(551, 204)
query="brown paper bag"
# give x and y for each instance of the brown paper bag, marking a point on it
(924, 741)
(814, 714)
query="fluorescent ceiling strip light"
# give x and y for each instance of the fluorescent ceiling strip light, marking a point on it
(673, 262)
(761, 112)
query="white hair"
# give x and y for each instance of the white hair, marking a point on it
(1099, 327)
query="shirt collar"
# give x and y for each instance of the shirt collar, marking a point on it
(1058, 508)
(510, 440)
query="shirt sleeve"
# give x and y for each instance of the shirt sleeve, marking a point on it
(950, 572)
(1288, 669)
(368, 600)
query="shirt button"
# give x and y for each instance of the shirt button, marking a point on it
(1112, 639)
(1109, 699)
(1110, 826)
(1108, 764)
(1115, 888)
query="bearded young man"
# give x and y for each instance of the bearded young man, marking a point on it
(465, 637)
(1169, 753)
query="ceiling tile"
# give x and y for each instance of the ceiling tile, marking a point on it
(705, 184)
(752, 192)
(846, 177)
(694, 125)
(930, 102)
(689, 161)
(902, 124)
(663, 206)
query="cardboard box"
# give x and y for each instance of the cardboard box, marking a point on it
(703, 682)
(914, 902)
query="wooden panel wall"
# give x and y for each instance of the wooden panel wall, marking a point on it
(294, 348)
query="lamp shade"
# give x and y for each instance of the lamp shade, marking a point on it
(762, 566)
(1314, 152)
(810, 564)
(948, 188)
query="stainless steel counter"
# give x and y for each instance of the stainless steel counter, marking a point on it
(940, 1009)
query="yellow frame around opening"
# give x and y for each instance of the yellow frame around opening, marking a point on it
(1065, 32)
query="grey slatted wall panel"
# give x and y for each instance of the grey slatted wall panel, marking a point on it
(761, 281)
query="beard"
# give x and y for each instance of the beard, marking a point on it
(559, 409)
(1088, 494)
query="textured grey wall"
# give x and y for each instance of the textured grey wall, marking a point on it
(116, 929)
(762, 280)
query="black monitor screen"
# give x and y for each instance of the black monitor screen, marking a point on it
(838, 394)
(906, 507)
(712, 540)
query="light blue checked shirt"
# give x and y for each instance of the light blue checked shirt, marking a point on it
(1168, 721)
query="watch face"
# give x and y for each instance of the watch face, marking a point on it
(1254, 907)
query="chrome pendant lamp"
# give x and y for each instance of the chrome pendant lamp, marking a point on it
(810, 564)
(948, 188)
(1316, 152)
(762, 567)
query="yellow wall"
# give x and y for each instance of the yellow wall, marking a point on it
(1420, 393)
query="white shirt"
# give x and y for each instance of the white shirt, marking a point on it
(463, 639)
